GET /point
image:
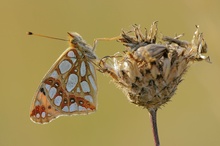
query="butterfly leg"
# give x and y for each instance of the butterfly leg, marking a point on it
(104, 39)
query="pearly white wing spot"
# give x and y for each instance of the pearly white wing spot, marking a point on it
(57, 100)
(52, 92)
(78, 90)
(37, 115)
(72, 56)
(37, 103)
(65, 109)
(43, 114)
(85, 86)
(73, 107)
(83, 69)
(54, 74)
(82, 108)
(47, 87)
(65, 66)
(72, 81)
(89, 98)
(92, 82)
(92, 68)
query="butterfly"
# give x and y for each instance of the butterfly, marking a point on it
(69, 87)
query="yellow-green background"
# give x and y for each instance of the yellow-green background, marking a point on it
(191, 119)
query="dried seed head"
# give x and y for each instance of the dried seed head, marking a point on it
(149, 73)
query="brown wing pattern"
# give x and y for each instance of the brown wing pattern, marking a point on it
(68, 88)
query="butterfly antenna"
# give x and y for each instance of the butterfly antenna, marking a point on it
(40, 35)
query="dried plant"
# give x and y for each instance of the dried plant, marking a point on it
(149, 71)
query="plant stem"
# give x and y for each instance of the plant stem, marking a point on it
(153, 118)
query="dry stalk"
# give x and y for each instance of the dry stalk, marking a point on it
(149, 72)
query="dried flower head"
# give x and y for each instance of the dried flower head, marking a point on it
(149, 71)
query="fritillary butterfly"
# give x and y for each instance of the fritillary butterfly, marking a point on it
(69, 87)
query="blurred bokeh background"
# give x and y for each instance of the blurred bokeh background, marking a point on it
(191, 119)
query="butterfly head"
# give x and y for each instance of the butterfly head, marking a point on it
(77, 41)
(75, 37)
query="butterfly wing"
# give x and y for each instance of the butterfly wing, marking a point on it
(68, 88)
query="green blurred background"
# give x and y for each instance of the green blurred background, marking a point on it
(191, 119)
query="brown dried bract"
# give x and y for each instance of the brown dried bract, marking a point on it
(149, 72)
